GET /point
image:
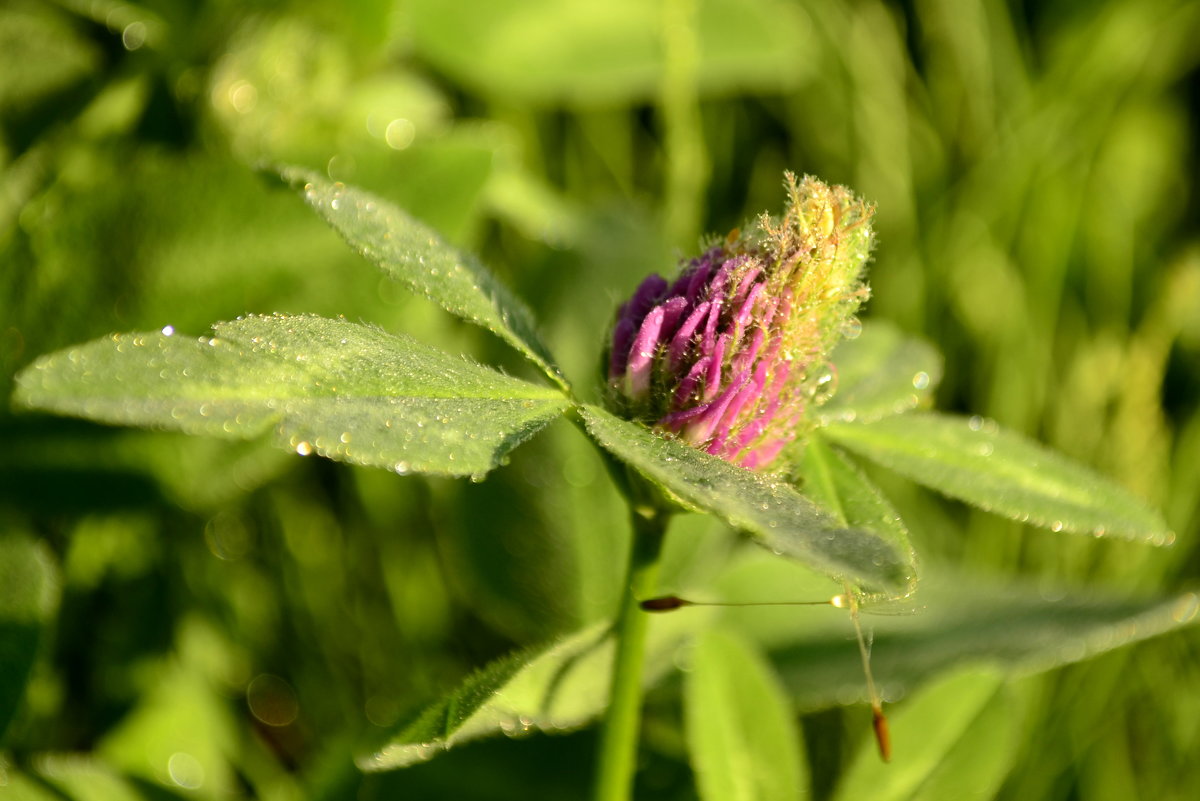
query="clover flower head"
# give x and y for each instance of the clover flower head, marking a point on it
(730, 354)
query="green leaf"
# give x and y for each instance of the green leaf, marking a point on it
(552, 689)
(347, 391)
(414, 254)
(963, 619)
(28, 596)
(83, 778)
(19, 787)
(742, 735)
(773, 512)
(837, 485)
(954, 739)
(581, 53)
(879, 373)
(41, 53)
(975, 461)
(179, 736)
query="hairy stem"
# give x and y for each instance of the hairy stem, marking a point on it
(619, 736)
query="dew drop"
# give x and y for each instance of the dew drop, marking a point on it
(921, 380)
(303, 448)
(185, 771)
(975, 423)
(1057, 525)
(401, 468)
(168, 330)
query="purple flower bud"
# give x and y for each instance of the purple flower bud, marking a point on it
(730, 355)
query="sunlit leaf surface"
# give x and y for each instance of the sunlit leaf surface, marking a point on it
(773, 512)
(416, 256)
(28, 594)
(975, 461)
(881, 372)
(742, 737)
(954, 739)
(560, 687)
(834, 483)
(347, 391)
(83, 778)
(175, 736)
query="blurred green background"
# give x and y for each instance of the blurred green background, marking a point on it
(224, 620)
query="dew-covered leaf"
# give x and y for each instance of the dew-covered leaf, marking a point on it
(347, 391)
(28, 594)
(560, 687)
(774, 513)
(1000, 471)
(743, 740)
(837, 485)
(954, 739)
(881, 372)
(415, 255)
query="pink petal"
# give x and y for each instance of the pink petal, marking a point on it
(683, 336)
(641, 355)
(714, 367)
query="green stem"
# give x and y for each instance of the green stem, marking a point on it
(619, 737)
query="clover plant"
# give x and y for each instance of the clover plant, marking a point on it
(741, 386)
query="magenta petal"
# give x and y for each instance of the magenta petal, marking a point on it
(683, 394)
(698, 280)
(683, 336)
(750, 433)
(647, 294)
(749, 353)
(622, 338)
(700, 429)
(746, 311)
(752, 390)
(713, 382)
(673, 310)
(676, 420)
(744, 285)
(641, 355)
